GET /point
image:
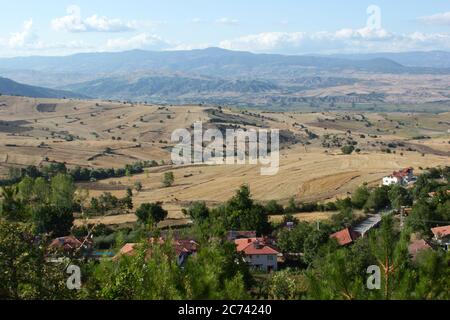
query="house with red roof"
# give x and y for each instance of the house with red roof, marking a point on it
(70, 246)
(183, 249)
(403, 176)
(259, 253)
(345, 236)
(442, 236)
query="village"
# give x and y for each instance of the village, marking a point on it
(261, 252)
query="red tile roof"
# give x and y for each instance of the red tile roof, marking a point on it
(345, 237)
(180, 246)
(128, 249)
(66, 243)
(441, 231)
(417, 246)
(255, 246)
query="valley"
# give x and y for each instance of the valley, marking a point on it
(102, 134)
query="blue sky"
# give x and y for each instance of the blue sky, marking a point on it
(284, 26)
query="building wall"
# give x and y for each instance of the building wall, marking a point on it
(265, 262)
(388, 181)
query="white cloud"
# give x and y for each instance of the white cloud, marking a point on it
(73, 22)
(344, 40)
(437, 19)
(24, 38)
(228, 21)
(197, 20)
(140, 41)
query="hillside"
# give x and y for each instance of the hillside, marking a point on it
(218, 76)
(9, 87)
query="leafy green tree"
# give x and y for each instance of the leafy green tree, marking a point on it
(168, 179)
(53, 220)
(198, 211)
(25, 188)
(151, 212)
(41, 191)
(292, 241)
(348, 149)
(63, 191)
(138, 186)
(312, 244)
(422, 187)
(378, 199)
(420, 219)
(273, 207)
(292, 206)
(283, 286)
(12, 207)
(343, 219)
(241, 213)
(25, 273)
(399, 196)
(360, 197)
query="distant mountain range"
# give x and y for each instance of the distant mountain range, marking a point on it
(12, 88)
(216, 75)
(214, 62)
(430, 59)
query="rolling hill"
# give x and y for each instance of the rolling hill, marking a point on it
(12, 88)
(218, 76)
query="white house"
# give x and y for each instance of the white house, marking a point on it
(258, 253)
(391, 180)
(403, 176)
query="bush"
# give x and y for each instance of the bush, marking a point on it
(273, 207)
(347, 149)
(151, 212)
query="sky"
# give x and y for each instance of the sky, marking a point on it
(60, 27)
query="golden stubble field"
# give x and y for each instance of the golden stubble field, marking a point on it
(104, 134)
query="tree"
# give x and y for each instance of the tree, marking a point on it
(391, 255)
(138, 186)
(348, 149)
(292, 206)
(359, 198)
(312, 243)
(283, 286)
(53, 220)
(420, 218)
(25, 188)
(378, 199)
(63, 191)
(198, 211)
(399, 196)
(41, 191)
(272, 207)
(292, 241)
(11, 207)
(241, 213)
(26, 274)
(151, 212)
(168, 179)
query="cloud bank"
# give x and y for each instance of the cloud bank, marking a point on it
(73, 22)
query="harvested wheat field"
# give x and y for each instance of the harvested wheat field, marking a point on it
(105, 134)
